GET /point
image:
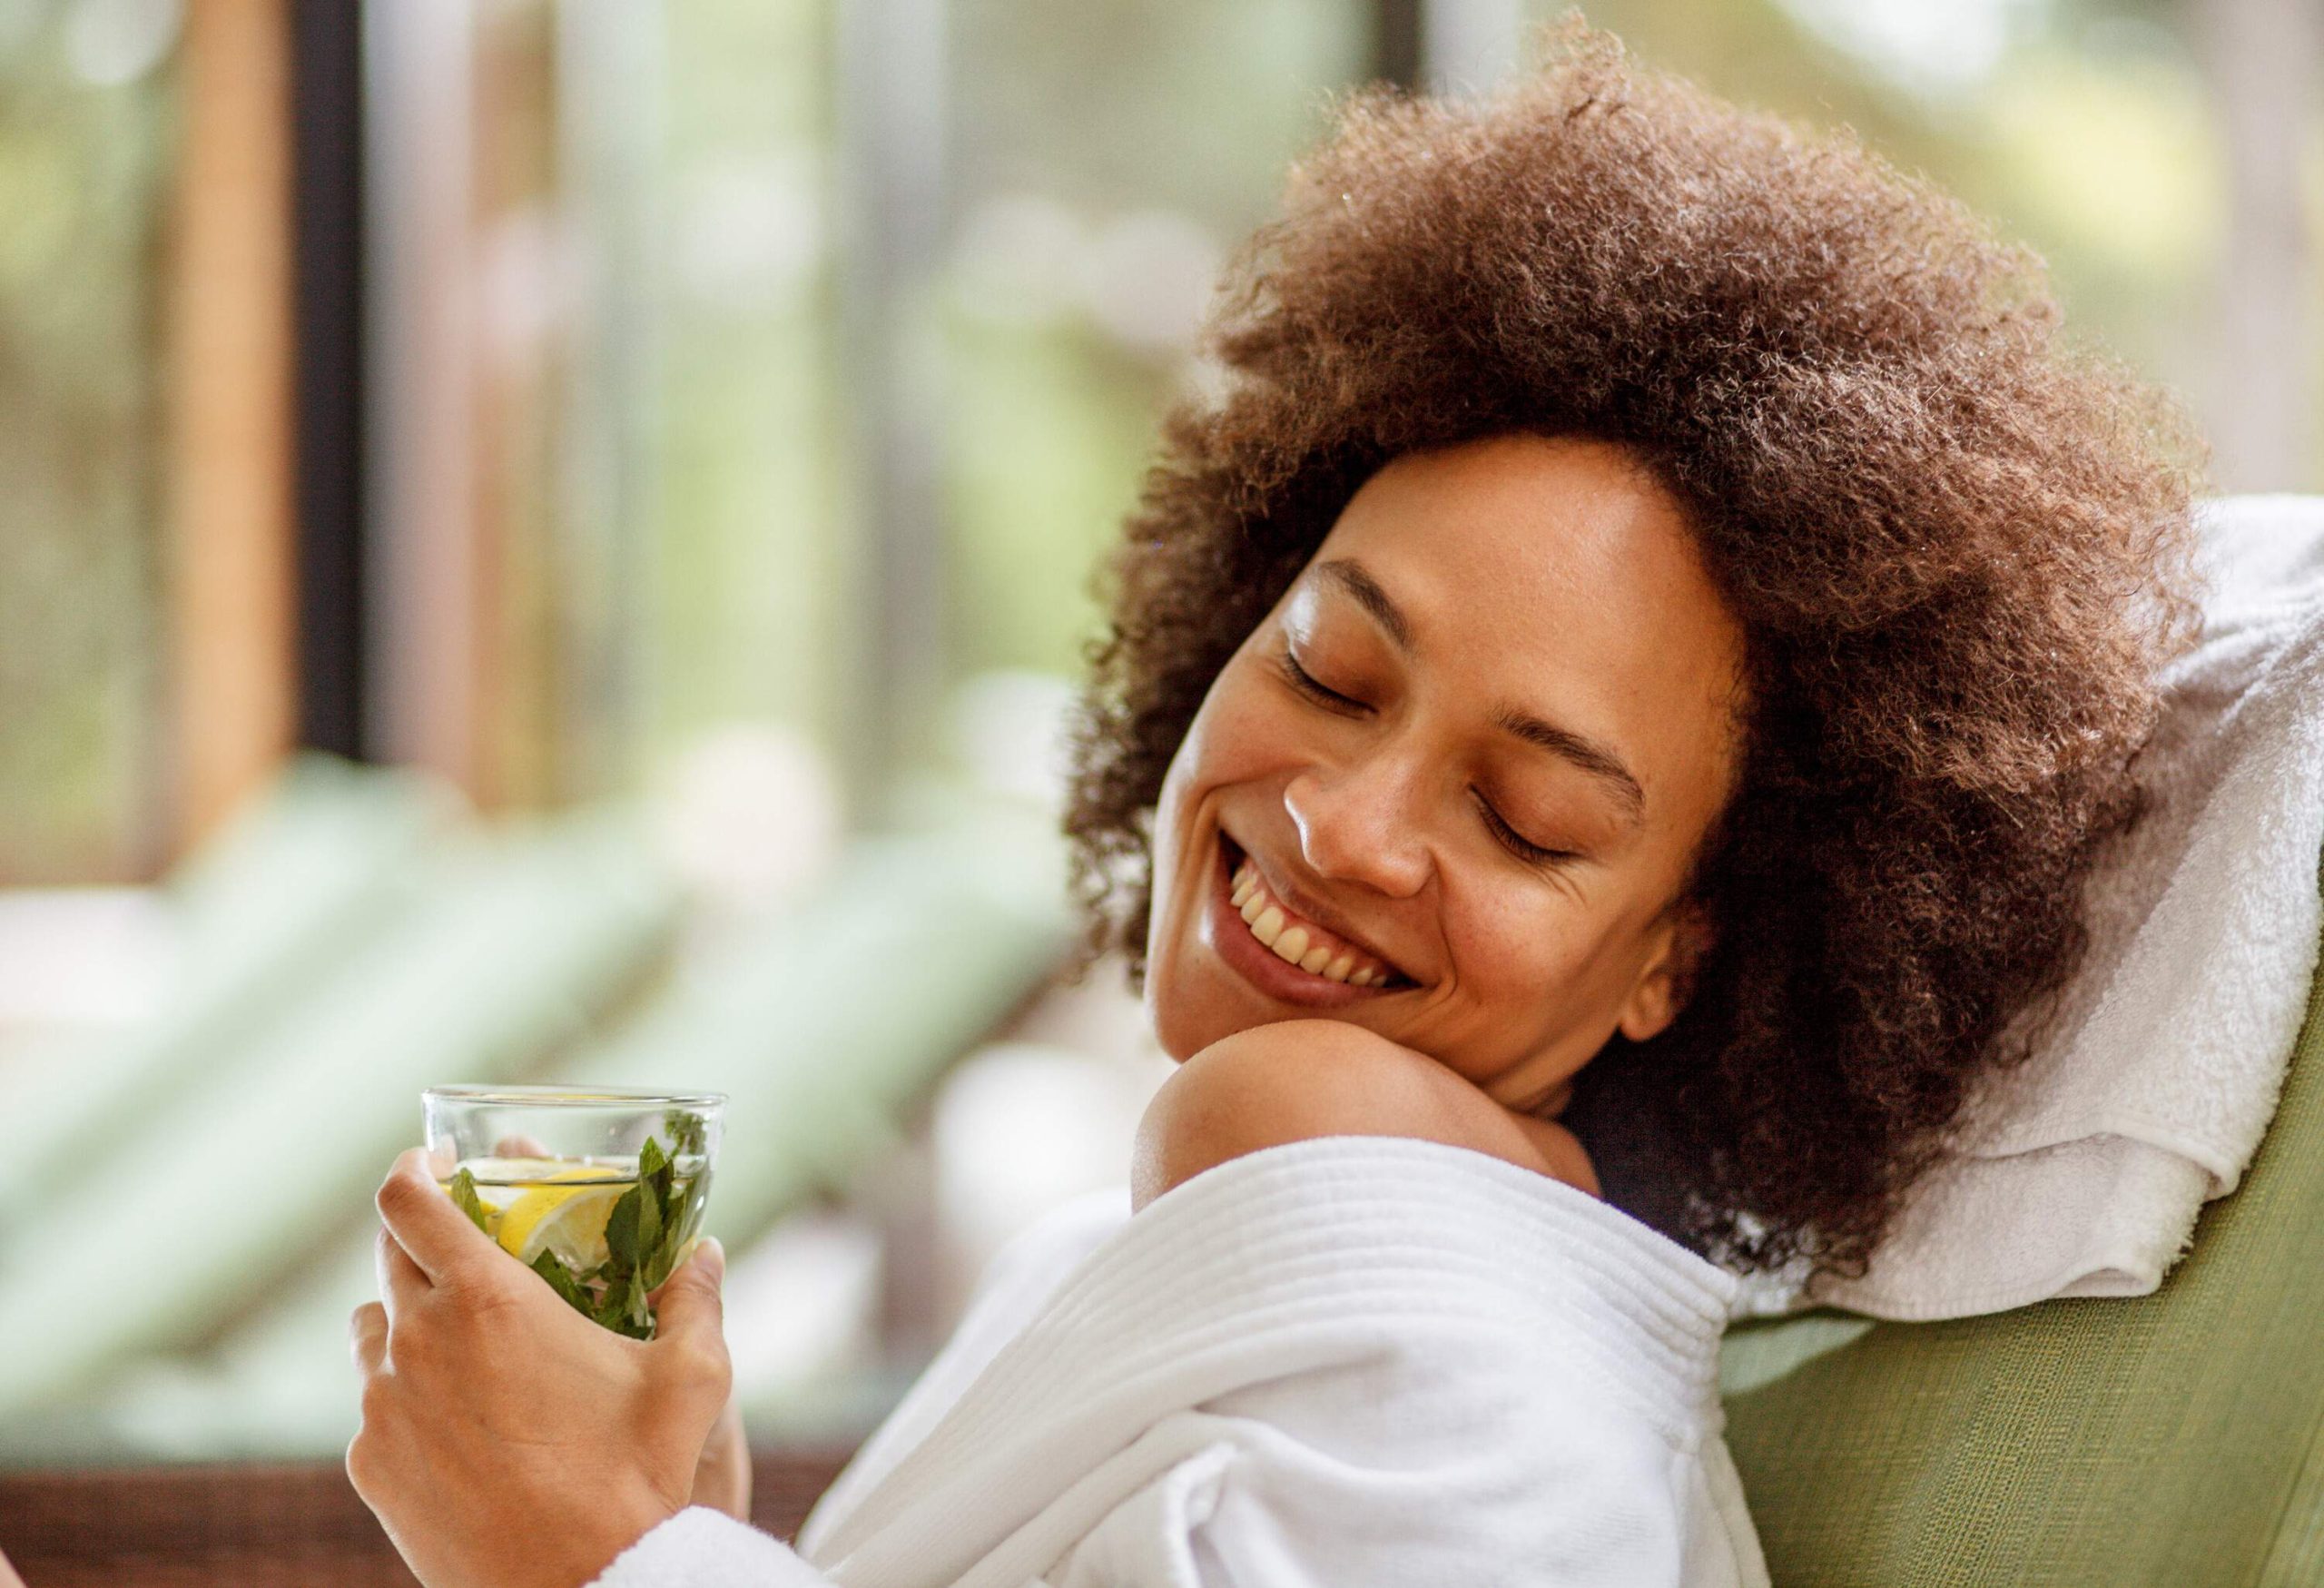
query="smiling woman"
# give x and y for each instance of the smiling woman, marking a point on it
(1645, 647)
(1658, 580)
(1479, 742)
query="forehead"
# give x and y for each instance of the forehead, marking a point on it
(1556, 575)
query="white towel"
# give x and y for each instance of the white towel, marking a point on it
(1351, 1361)
(2082, 1173)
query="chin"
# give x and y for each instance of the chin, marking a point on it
(1187, 1010)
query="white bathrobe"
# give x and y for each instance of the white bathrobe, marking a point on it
(1334, 1364)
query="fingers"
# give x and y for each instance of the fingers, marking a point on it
(520, 1146)
(401, 1283)
(692, 1308)
(722, 1478)
(367, 1335)
(436, 1235)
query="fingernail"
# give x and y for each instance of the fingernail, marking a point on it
(712, 1253)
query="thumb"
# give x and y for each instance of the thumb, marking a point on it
(691, 1308)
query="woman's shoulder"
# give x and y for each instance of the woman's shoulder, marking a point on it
(1294, 1080)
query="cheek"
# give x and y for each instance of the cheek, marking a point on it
(1214, 754)
(1511, 942)
(1250, 730)
(1241, 735)
(1528, 953)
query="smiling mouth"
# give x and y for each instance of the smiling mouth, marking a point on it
(1301, 944)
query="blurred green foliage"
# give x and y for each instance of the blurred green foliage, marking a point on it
(2089, 137)
(747, 560)
(1116, 111)
(84, 172)
(1102, 158)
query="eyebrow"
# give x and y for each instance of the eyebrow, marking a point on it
(1351, 577)
(1587, 754)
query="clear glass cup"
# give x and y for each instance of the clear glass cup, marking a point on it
(600, 1192)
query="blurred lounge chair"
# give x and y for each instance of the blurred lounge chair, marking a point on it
(254, 1124)
(822, 1022)
(320, 862)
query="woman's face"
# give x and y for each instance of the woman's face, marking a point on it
(1467, 821)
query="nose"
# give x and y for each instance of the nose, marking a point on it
(1362, 824)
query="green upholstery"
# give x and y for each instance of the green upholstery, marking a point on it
(2172, 1438)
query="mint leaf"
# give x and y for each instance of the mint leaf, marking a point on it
(623, 1309)
(623, 1252)
(551, 1268)
(464, 1198)
(649, 1227)
(650, 1158)
(687, 1131)
(682, 1212)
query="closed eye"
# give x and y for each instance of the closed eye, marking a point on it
(1516, 842)
(1308, 685)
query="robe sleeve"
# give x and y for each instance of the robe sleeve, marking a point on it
(702, 1548)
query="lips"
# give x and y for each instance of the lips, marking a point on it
(1301, 934)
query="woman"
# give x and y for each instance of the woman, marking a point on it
(1616, 697)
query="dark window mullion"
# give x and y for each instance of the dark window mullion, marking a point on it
(327, 208)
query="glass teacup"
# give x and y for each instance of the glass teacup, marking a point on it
(600, 1192)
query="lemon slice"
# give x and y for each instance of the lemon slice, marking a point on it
(568, 1220)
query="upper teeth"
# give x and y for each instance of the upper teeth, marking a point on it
(1299, 943)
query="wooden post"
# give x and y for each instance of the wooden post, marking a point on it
(230, 533)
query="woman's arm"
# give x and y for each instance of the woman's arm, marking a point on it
(1299, 1079)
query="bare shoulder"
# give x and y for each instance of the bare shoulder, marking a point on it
(1294, 1080)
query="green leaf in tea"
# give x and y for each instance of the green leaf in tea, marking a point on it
(549, 1267)
(623, 1251)
(623, 1309)
(465, 1199)
(645, 1231)
(650, 1221)
(685, 1131)
(681, 1210)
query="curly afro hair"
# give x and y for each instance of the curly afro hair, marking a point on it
(1960, 551)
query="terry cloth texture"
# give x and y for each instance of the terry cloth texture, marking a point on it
(1350, 1361)
(2165, 1439)
(2080, 1173)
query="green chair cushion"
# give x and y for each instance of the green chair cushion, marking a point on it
(2171, 1438)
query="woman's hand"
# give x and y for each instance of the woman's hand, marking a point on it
(722, 1476)
(507, 1440)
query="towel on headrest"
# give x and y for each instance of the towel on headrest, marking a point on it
(2081, 1173)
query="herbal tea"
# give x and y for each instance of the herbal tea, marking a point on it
(602, 1231)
